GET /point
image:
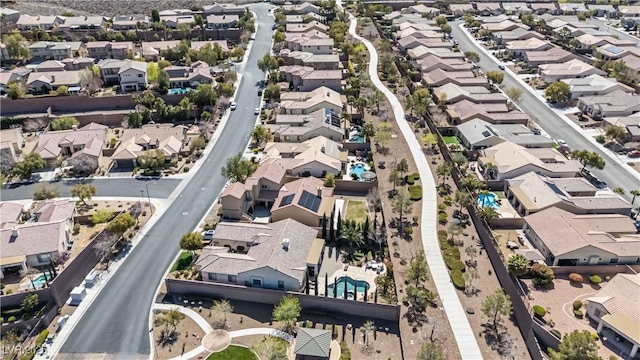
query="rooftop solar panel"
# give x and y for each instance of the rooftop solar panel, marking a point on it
(286, 200)
(309, 201)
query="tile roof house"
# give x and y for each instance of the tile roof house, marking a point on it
(629, 10)
(417, 33)
(110, 50)
(432, 62)
(50, 66)
(222, 22)
(494, 113)
(487, 9)
(411, 42)
(572, 8)
(182, 77)
(299, 19)
(530, 193)
(300, 103)
(567, 239)
(304, 200)
(516, 8)
(153, 50)
(219, 9)
(554, 55)
(78, 63)
(126, 22)
(316, 61)
(134, 142)
(10, 214)
(28, 22)
(298, 128)
(440, 77)
(421, 51)
(615, 308)
(301, 8)
(11, 143)
(517, 48)
(44, 50)
(43, 82)
(311, 44)
(571, 69)
(595, 85)
(602, 10)
(502, 37)
(611, 52)
(614, 104)
(461, 9)
(306, 27)
(55, 210)
(74, 23)
(511, 160)
(544, 8)
(306, 78)
(87, 140)
(630, 123)
(130, 74)
(505, 25)
(476, 94)
(588, 41)
(280, 255)
(314, 157)
(312, 344)
(478, 134)
(422, 10)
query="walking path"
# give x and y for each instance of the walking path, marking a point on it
(462, 331)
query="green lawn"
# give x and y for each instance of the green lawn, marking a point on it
(183, 261)
(356, 210)
(234, 352)
(500, 194)
(450, 140)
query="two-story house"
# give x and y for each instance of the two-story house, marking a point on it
(222, 22)
(110, 50)
(125, 22)
(130, 74)
(28, 22)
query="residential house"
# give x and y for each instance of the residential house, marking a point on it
(614, 104)
(567, 239)
(222, 22)
(494, 113)
(630, 123)
(306, 78)
(181, 77)
(554, 55)
(317, 157)
(8, 76)
(10, 214)
(452, 93)
(530, 193)
(572, 8)
(74, 23)
(110, 50)
(510, 160)
(518, 48)
(88, 140)
(629, 11)
(611, 52)
(418, 23)
(310, 44)
(573, 68)
(489, 9)
(10, 16)
(588, 41)
(614, 309)
(130, 74)
(45, 50)
(307, 59)
(46, 81)
(604, 10)
(411, 42)
(11, 144)
(595, 85)
(197, 45)
(440, 77)
(50, 66)
(544, 8)
(281, 255)
(422, 10)
(301, 103)
(4, 54)
(227, 8)
(153, 50)
(433, 62)
(304, 200)
(299, 128)
(301, 8)
(312, 344)
(172, 21)
(516, 8)
(78, 63)
(135, 142)
(461, 9)
(307, 27)
(28, 22)
(505, 25)
(126, 22)
(55, 211)
(299, 19)
(633, 63)
(422, 51)
(503, 37)
(478, 134)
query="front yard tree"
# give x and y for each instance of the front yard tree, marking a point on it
(83, 192)
(151, 159)
(589, 159)
(84, 164)
(15, 90)
(518, 265)
(618, 133)
(191, 241)
(472, 56)
(272, 92)
(121, 223)
(197, 144)
(576, 345)
(44, 192)
(495, 306)
(170, 320)
(496, 77)
(260, 134)
(430, 351)
(268, 63)
(515, 94)
(558, 92)
(418, 272)
(238, 168)
(30, 164)
(222, 307)
(287, 312)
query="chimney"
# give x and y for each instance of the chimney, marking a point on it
(285, 244)
(322, 149)
(319, 191)
(53, 78)
(14, 232)
(157, 143)
(74, 127)
(328, 94)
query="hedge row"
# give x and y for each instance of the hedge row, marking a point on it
(458, 279)
(42, 337)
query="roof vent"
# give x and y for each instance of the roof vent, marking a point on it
(14, 232)
(285, 243)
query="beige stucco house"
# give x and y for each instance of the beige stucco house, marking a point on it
(134, 142)
(88, 140)
(299, 128)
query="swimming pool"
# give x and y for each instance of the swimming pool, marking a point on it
(488, 200)
(357, 138)
(179, 91)
(358, 169)
(39, 281)
(350, 285)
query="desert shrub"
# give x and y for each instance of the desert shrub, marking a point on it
(11, 319)
(607, 278)
(576, 277)
(458, 279)
(578, 314)
(42, 337)
(76, 228)
(102, 216)
(442, 218)
(442, 235)
(539, 311)
(186, 169)
(416, 176)
(345, 352)
(556, 333)
(577, 305)
(415, 192)
(600, 139)
(410, 180)
(595, 279)
(442, 206)
(542, 274)
(453, 264)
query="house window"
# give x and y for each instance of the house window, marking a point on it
(280, 284)
(256, 282)
(213, 276)
(613, 261)
(263, 186)
(44, 258)
(139, 75)
(232, 279)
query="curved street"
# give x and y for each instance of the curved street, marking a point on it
(118, 321)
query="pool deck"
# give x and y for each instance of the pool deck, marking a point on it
(347, 175)
(354, 272)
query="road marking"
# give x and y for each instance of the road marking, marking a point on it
(185, 213)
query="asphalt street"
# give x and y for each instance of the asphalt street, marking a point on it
(117, 322)
(613, 173)
(126, 187)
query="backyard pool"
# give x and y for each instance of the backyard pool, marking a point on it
(345, 283)
(179, 91)
(39, 281)
(356, 138)
(358, 169)
(488, 200)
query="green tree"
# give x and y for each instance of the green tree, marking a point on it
(402, 205)
(260, 134)
(351, 233)
(170, 319)
(222, 307)
(64, 123)
(237, 53)
(29, 302)
(368, 131)
(151, 159)
(444, 170)
(83, 192)
(268, 63)
(496, 77)
(101, 217)
(557, 92)
(418, 271)
(514, 93)
(618, 190)
(205, 94)
(238, 168)
(472, 56)
(153, 71)
(287, 312)
(271, 348)
(576, 345)
(589, 159)
(272, 92)
(191, 241)
(330, 180)
(542, 275)
(618, 133)
(155, 15)
(440, 20)
(44, 192)
(15, 90)
(430, 140)
(16, 46)
(62, 90)
(197, 144)
(430, 351)
(495, 306)
(278, 37)
(120, 224)
(446, 28)
(463, 199)
(163, 82)
(210, 54)
(635, 193)
(418, 298)
(518, 265)
(30, 164)
(383, 134)
(488, 213)
(226, 89)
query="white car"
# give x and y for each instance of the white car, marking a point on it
(233, 106)
(208, 235)
(256, 111)
(561, 142)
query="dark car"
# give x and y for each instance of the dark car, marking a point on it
(275, 26)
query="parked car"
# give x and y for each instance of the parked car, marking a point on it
(256, 111)
(208, 235)
(634, 154)
(233, 106)
(501, 67)
(561, 142)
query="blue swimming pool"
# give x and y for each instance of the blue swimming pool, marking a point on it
(345, 283)
(357, 138)
(358, 169)
(39, 281)
(179, 91)
(488, 200)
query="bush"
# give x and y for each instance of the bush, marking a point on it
(416, 176)
(112, 142)
(442, 218)
(42, 337)
(454, 265)
(556, 333)
(11, 319)
(577, 305)
(1, 320)
(595, 279)
(542, 275)
(416, 192)
(442, 206)
(578, 314)
(410, 180)
(539, 311)
(442, 235)
(102, 216)
(186, 169)
(458, 279)
(607, 278)
(600, 139)
(345, 353)
(26, 316)
(576, 277)
(76, 228)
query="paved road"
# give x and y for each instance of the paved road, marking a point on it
(613, 173)
(159, 189)
(117, 322)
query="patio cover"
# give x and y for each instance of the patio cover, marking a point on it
(315, 252)
(530, 254)
(13, 260)
(623, 326)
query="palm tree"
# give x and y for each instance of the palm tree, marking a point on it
(489, 170)
(368, 131)
(635, 194)
(484, 194)
(223, 307)
(463, 199)
(443, 170)
(367, 328)
(384, 282)
(351, 233)
(402, 167)
(487, 213)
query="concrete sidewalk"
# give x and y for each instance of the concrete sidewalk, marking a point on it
(462, 331)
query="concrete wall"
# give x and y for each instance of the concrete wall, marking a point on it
(178, 287)
(354, 187)
(546, 339)
(596, 269)
(14, 300)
